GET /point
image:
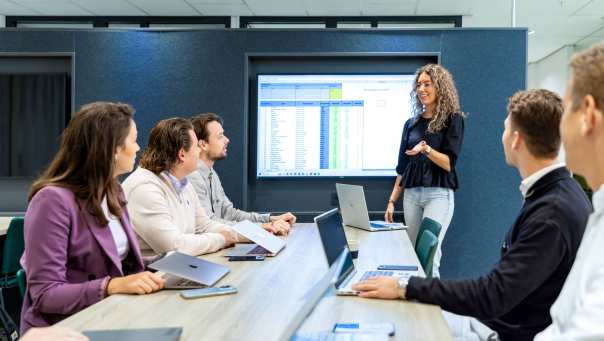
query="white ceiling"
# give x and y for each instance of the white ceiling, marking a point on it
(555, 23)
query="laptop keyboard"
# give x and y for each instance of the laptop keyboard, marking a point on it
(379, 226)
(187, 283)
(179, 282)
(259, 250)
(369, 274)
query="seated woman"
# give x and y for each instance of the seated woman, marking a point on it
(79, 243)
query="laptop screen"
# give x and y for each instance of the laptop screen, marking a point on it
(332, 234)
(347, 268)
(352, 205)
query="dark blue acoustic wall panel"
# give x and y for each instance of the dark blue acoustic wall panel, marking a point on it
(488, 66)
(35, 41)
(179, 73)
(167, 74)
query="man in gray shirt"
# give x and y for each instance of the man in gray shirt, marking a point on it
(213, 144)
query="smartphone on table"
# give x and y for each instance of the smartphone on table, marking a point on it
(246, 258)
(396, 267)
(365, 328)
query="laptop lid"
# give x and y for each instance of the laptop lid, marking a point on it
(259, 236)
(346, 269)
(314, 296)
(353, 205)
(147, 334)
(191, 268)
(332, 234)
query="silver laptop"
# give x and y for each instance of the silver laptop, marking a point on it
(311, 299)
(145, 334)
(351, 276)
(267, 244)
(188, 272)
(331, 232)
(354, 210)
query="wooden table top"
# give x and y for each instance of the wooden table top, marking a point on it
(270, 294)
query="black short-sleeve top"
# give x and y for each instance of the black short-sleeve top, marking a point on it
(418, 170)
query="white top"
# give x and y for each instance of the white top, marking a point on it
(166, 220)
(578, 313)
(117, 230)
(532, 179)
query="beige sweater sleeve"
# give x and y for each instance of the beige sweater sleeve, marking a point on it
(152, 220)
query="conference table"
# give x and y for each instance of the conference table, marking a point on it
(270, 294)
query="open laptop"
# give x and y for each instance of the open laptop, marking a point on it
(336, 236)
(354, 210)
(330, 231)
(311, 299)
(267, 244)
(188, 272)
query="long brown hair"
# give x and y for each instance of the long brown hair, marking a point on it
(85, 162)
(166, 139)
(447, 100)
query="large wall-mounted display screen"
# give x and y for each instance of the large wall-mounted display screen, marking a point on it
(330, 125)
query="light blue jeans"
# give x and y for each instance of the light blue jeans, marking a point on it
(433, 202)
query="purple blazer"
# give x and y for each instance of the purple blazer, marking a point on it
(68, 258)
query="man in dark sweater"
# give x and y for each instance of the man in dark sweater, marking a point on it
(539, 249)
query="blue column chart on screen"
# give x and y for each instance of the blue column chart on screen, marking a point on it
(330, 125)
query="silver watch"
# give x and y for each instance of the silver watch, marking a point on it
(402, 284)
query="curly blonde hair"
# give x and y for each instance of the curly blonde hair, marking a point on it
(447, 100)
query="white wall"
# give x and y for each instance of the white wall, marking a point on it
(2, 21)
(551, 72)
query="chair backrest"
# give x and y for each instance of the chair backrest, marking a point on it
(430, 225)
(13, 247)
(425, 248)
(22, 282)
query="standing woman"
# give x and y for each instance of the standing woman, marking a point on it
(79, 244)
(430, 145)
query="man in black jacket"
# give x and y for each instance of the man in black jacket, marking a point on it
(539, 249)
